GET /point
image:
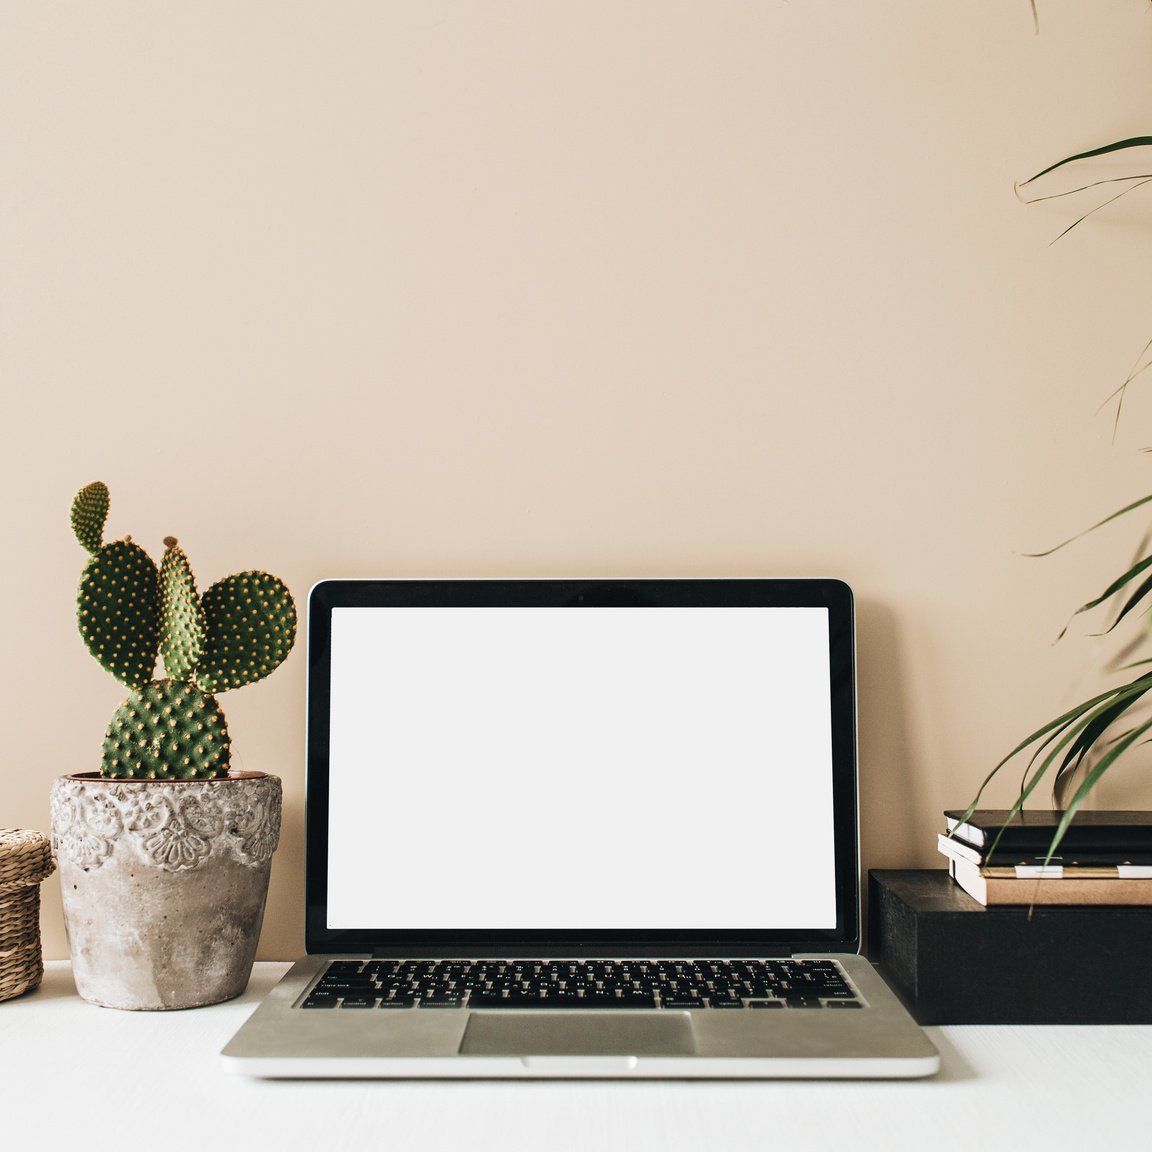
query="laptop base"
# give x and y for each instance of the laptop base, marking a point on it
(282, 1041)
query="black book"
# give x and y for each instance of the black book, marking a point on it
(1076, 860)
(1031, 831)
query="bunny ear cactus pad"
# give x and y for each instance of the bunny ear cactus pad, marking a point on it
(118, 607)
(250, 628)
(168, 730)
(129, 613)
(89, 511)
(181, 614)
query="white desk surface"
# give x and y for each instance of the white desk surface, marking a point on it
(73, 1075)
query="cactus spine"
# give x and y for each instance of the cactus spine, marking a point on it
(130, 614)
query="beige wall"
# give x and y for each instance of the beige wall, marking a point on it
(528, 287)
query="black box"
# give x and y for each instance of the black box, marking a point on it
(953, 961)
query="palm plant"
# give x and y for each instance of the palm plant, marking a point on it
(1083, 743)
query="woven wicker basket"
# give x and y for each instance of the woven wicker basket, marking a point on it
(25, 860)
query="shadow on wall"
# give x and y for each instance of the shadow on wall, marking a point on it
(889, 801)
(282, 937)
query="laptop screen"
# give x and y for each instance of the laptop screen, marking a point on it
(580, 761)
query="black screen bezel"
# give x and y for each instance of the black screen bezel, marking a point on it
(834, 595)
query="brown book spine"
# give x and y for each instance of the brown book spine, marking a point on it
(992, 890)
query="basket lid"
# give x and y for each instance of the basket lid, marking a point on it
(25, 858)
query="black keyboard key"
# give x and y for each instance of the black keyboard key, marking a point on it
(635, 1000)
(534, 1000)
(598, 997)
(344, 984)
(344, 967)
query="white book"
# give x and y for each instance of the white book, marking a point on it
(956, 850)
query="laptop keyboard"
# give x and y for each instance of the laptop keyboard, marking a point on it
(673, 984)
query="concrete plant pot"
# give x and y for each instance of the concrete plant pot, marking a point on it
(164, 884)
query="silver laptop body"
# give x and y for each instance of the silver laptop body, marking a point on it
(564, 828)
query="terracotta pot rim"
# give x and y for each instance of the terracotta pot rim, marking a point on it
(232, 777)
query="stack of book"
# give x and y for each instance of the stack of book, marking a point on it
(1103, 858)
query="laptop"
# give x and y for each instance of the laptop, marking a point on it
(581, 828)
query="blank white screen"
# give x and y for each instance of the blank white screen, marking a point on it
(580, 768)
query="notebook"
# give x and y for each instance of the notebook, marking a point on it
(581, 828)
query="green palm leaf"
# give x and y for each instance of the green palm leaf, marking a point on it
(1114, 587)
(1099, 524)
(1135, 599)
(1071, 735)
(1118, 145)
(1091, 779)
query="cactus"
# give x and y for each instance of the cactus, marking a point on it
(181, 614)
(130, 614)
(170, 730)
(119, 611)
(89, 511)
(251, 623)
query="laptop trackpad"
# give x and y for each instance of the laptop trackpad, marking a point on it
(558, 1033)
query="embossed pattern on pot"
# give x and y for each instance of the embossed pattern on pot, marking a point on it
(173, 828)
(164, 884)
